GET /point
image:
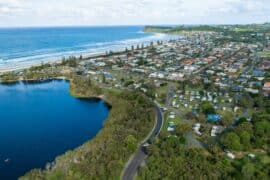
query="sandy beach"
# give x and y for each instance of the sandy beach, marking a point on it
(33, 50)
(22, 66)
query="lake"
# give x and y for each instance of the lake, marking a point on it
(40, 121)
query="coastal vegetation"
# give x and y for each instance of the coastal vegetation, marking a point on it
(9, 77)
(168, 157)
(172, 157)
(251, 33)
(250, 28)
(214, 91)
(179, 29)
(131, 119)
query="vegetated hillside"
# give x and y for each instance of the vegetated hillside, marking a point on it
(170, 157)
(250, 28)
(178, 29)
(131, 119)
(157, 29)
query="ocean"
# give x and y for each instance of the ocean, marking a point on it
(21, 47)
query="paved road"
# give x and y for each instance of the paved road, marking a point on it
(133, 165)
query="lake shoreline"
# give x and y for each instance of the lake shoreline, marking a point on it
(33, 86)
(114, 102)
(38, 81)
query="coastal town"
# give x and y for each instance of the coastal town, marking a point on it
(202, 80)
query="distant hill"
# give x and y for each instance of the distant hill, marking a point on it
(160, 29)
(249, 28)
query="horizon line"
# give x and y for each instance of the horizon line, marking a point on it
(128, 25)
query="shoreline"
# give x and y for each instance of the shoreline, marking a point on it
(86, 55)
(57, 61)
(111, 100)
(59, 78)
(70, 90)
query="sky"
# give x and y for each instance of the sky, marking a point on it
(21, 13)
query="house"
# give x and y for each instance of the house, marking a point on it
(251, 90)
(265, 65)
(190, 68)
(188, 62)
(266, 86)
(108, 75)
(214, 131)
(157, 75)
(176, 76)
(171, 127)
(172, 116)
(236, 88)
(255, 84)
(266, 93)
(232, 70)
(195, 112)
(243, 80)
(258, 73)
(100, 64)
(230, 155)
(91, 72)
(213, 117)
(196, 129)
(235, 109)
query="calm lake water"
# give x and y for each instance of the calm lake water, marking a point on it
(40, 121)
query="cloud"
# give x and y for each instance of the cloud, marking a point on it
(10, 7)
(244, 6)
(109, 12)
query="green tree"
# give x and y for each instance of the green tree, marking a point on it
(262, 134)
(261, 116)
(259, 102)
(245, 126)
(131, 142)
(241, 120)
(245, 140)
(248, 171)
(231, 141)
(103, 78)
(181, 131)
(262, 129)
(141, 61)
(246, 101)
(207, 108)
(227, 118)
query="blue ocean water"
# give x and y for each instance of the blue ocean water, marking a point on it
(40, 121)
(22, 46)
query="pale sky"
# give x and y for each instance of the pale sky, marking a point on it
(131, 12)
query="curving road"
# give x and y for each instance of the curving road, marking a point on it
(136, 160)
